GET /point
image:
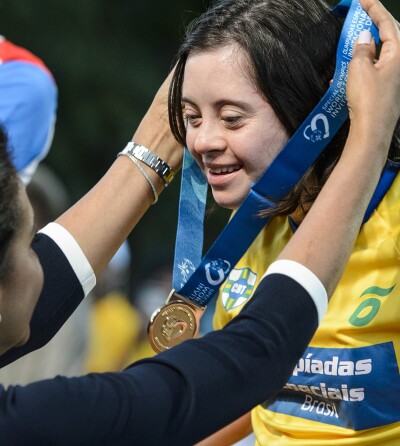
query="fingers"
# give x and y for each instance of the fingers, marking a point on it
(387, 25)
(388, 31)
(365, 47)
(375, 85)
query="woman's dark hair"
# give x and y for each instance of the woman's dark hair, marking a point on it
(10, 211)
(291, 46)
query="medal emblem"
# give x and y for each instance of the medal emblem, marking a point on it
(172, 324)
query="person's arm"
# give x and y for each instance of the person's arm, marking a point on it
(373, 95)
(179, 396)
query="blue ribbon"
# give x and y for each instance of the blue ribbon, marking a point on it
(199, 279)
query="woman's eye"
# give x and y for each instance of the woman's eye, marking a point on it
(192, 119)
(232, 121)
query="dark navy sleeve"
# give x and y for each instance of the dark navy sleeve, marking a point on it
(179, 396)
(62, 292)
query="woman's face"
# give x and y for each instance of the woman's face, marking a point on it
(232, 130)
(20, 290)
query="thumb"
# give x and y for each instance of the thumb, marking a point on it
(365, 46)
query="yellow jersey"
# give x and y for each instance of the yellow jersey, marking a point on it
(345, 390)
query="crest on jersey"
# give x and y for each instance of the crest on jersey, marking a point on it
(238, 288)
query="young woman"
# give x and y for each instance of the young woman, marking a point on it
(248, 73)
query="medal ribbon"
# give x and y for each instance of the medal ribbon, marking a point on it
(197, 278)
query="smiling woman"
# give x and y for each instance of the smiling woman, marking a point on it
(277, 53)
(248, 74)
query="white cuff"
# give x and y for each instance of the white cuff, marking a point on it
(74, 255)
(304, 277)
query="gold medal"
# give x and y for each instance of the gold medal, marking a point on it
(174, 323)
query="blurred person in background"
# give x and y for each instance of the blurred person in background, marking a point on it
(28, 105)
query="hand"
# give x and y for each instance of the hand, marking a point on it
(373, 90)
(154, 131)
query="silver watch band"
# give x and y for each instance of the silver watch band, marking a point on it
(162, 169)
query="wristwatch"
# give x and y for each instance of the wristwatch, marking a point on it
(162, 169)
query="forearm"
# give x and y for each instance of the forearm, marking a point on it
(342, 202)
(104, 217)
(179, 396)
(373, 96)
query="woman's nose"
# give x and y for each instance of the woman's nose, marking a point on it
(208, 138)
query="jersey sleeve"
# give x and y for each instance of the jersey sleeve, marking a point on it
(179, 396)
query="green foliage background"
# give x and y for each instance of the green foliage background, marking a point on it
(108, 58)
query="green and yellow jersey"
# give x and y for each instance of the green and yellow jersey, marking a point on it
(345, 390)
